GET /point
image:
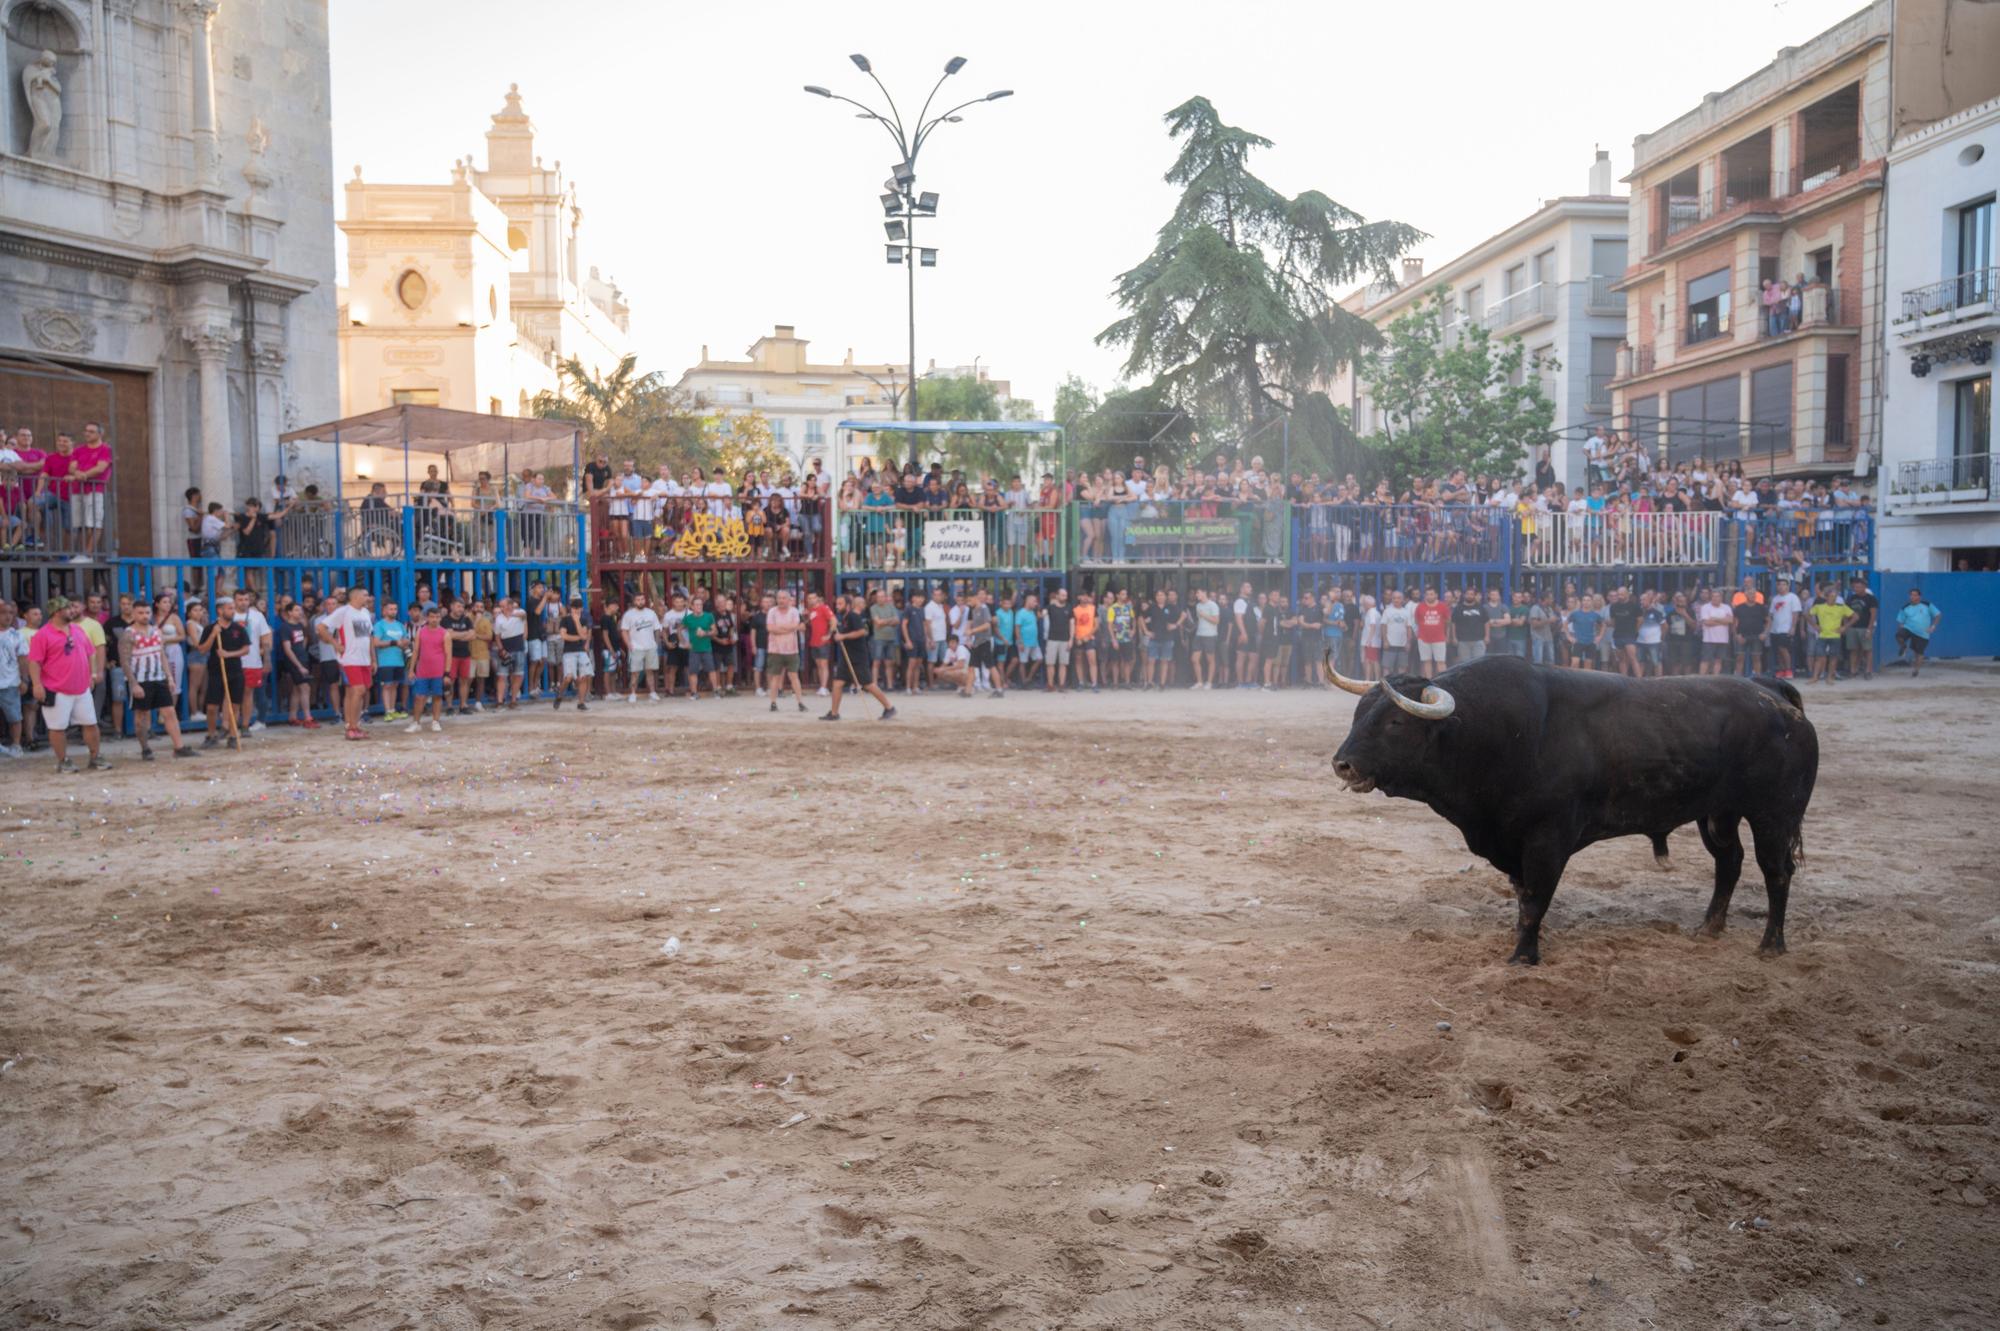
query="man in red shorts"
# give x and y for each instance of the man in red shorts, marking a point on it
(351, 629)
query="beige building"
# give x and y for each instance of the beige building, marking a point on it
(469, 294)
(804, 401)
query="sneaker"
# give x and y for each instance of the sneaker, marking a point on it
(822, 693)
(760, 693)
(209, 741)
(774, 702)
(631, 697)
(413, 727)
(65, 768)
(802, 707)
(256, 726)
(558, 702)
(830, 716)
(355, 732)
(479, 707)
(888, 714)
(145, 755)
(582, 707)
(437, 728)
(185, 752)
(100, 764)
(651, 697)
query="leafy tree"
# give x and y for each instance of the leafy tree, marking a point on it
(1233, 315)
(740, 441)
(966, 398)
(1454, 399)
(630, 415)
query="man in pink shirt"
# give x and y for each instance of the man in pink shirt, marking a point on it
(90, 475)
(782, 659)
(54, 499)
(59, 668)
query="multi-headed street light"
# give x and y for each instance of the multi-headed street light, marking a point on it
(902, 203)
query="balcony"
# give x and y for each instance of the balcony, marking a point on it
(1520, 309)
(1820, 307)
(1597, 392)
(1936, 485)
(1950, 305)
(1397, 536)
(1681, 214)
(1604, 297)
(888, 540)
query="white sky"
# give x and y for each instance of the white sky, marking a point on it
(725, 200)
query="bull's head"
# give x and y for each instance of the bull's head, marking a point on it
(1391, 733)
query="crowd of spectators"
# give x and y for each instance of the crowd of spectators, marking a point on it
(52, 501)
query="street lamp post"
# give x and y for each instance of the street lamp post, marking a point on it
(902, 204)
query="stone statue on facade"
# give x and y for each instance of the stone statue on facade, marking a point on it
(44, 92)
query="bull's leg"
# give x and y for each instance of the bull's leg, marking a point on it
(1719, 834)
(1541, 869)
(1775, 840)
(1660, 856)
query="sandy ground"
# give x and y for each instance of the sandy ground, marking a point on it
(1089, 1012)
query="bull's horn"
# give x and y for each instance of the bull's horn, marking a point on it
(1436, 706)
(1340, 681)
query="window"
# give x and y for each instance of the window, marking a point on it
(412, 289)
(413, 397)
(1771, 409)
(778, 431)
(1830, 137)
(1475, 304)
(1819, 266)
(1703, 421)
(1746, 170)
(1836, 400)
(1607, 256)
(1975, 252)
(1677, 205)
(1642, 416)
(1972, 419)
(815, 434)
(1514, 279)
(1708, 306)
(1545, 267)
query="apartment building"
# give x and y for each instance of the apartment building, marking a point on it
(1940, 496)
(1550, 279)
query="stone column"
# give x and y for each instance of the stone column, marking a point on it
(211, 341)
(207, 153)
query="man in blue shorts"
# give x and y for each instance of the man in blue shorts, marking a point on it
(1028, 637)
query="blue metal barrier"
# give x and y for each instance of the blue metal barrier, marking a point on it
(1970, 603)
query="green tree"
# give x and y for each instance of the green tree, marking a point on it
(1454, 398)
(630, 415)
(1233, 316)
(966, 398)
(740, 441)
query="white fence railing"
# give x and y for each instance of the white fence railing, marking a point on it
(1563, 540)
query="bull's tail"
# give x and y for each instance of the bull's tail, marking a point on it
(1783, 688)
(1799, 844)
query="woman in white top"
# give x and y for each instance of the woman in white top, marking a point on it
(173, 636)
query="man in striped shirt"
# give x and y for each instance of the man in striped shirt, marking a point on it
(144, 656)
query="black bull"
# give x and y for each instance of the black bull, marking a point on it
(1531, 764)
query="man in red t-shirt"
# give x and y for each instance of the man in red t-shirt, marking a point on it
(57, 464)
(819, 637)
(1433, 628)
(90, 475)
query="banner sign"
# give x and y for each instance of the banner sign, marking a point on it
(955, 544)
(1188, 531)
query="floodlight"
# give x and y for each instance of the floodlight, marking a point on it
(818, 91)
(894, 253)
(927, 201)
(861, 63)
(895, 230)
(928, 258)
(953, 65)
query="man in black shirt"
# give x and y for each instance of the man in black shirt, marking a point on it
(536, 639)
(597, 477)
(757, 625)
(1468, 626)
(1624, 612)
(458, 627)
(1859, 635)
(1753, 619)
(227, 643)
(1159, 626)
(850, 640)
(253, 541)
(1060, 617)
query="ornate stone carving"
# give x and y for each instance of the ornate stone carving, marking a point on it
(209, 339)
(45, 108)
(61, 330)
(257, 171)
(268, 356)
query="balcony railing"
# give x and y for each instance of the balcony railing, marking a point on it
(1819, 307)
(1824, 537)
(39, 525)
(1685, 212)
(1639, 540)
(1940, 482)
(889, 539)
(1603, 297)
(1953, 295)
(1597, 391)
(1402, 534)
(1179, 532)
(1521, 307)
(691, 530)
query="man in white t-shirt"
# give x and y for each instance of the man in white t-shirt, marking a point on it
(641, 626)
(717, 491)
(1717, 621)
(1399, 630)
(254, 666)
(1371, 639)
(350, 629)
(1593, 455)
(1785, 611)
(937, 627)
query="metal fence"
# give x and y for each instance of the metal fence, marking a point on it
(1572, 540)
(1403, 534)
(40, 524)
(697, 530)
(1975, 287)
(890, 539)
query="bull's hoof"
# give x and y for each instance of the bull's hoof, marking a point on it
(1525, 959)
(1664, 863)
(1710, 928)
(1771, 947)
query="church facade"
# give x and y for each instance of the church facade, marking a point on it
(167, 241)
(471, 294)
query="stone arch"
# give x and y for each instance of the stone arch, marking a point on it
(28, 28)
